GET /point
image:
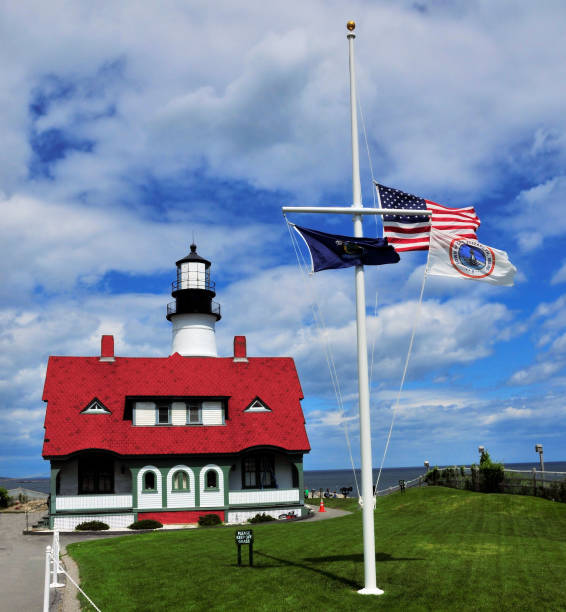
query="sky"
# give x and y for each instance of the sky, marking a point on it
(130, 128)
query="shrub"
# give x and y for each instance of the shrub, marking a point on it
(146, 524)
(209, 520)
(492, 474)
(433, 476)
(261, 518)
(92, 526)
(3, 498)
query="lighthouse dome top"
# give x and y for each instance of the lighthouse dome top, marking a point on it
(193, 256)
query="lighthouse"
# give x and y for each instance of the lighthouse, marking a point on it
(193, 314)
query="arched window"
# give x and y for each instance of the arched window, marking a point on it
(149, 481)
(180, 481)
(211, 480)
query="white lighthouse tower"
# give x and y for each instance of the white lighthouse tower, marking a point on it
(193, 313)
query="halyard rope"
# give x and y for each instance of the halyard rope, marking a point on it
(396, 406)
(319, 321)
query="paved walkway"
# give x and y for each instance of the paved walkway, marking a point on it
(22, 563)
(327, 514)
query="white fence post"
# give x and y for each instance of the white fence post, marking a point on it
(46, 582)
(56, 569)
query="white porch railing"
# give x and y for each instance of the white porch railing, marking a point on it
(265, 496)
(92, 502)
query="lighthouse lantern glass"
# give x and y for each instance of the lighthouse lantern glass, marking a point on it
(192, 275)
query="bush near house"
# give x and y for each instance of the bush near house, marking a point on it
(4, 498)
(92, 526)
(146, 524)
(209, 520)
(261, 518)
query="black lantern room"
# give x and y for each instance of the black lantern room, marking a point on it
(193, 290)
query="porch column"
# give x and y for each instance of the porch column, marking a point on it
(53, 494)
(299, 465)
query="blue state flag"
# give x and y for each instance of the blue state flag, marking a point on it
(331, 251)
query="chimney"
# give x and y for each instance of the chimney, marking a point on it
(107, 348)
(240, 348)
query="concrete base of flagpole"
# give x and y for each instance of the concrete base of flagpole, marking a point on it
(367, 591)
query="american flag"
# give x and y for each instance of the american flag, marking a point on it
(412, 232)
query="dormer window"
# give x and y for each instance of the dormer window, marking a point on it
(163, 415)
(95, 407)
(179, 412)
(257, 406)
(194, 413)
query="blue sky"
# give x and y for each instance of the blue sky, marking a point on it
(128, 128)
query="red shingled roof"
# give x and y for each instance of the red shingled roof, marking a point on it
(72, 382)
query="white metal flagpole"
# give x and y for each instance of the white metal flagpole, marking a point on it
(370, 585)
(357, 211)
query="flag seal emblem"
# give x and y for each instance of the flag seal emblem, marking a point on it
(471, 258)
(350, 248)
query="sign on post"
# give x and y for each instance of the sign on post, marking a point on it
(245, 536)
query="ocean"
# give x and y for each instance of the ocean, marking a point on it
(333, 480)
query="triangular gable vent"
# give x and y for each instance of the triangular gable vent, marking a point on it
(96, 407)
(257, 406)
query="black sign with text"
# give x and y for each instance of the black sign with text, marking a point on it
(244, 536)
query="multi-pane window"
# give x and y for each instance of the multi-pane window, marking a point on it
(194, 413)
(179, 411)
(163, 415)
(258, 472)
(250, 473)
(180, 481)
(96, 475)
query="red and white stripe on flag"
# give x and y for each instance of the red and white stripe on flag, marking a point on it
(416, 236)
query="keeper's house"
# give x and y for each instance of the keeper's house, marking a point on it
(176, 437)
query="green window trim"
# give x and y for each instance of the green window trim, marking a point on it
(180, 487)
(154, 488)
(211, 488)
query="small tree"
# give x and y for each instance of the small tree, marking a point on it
(492, 474)
(4, 498)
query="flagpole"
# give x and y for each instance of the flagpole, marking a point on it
(370, 585)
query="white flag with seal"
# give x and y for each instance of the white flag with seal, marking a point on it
(452, 255)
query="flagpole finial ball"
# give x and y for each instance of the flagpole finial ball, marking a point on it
(351, 25)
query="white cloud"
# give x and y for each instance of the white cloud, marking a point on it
(508, 413)
(536, 214)
(62, 244)
(560, 275)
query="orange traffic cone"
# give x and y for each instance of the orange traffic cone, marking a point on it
(321, 509)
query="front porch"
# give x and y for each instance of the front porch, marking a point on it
(90, 503)
(248, 497)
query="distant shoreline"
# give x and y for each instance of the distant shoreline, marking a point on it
(332, 479)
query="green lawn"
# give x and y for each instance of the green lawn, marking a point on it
(437, 549)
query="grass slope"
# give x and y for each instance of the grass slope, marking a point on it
(437, 549)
